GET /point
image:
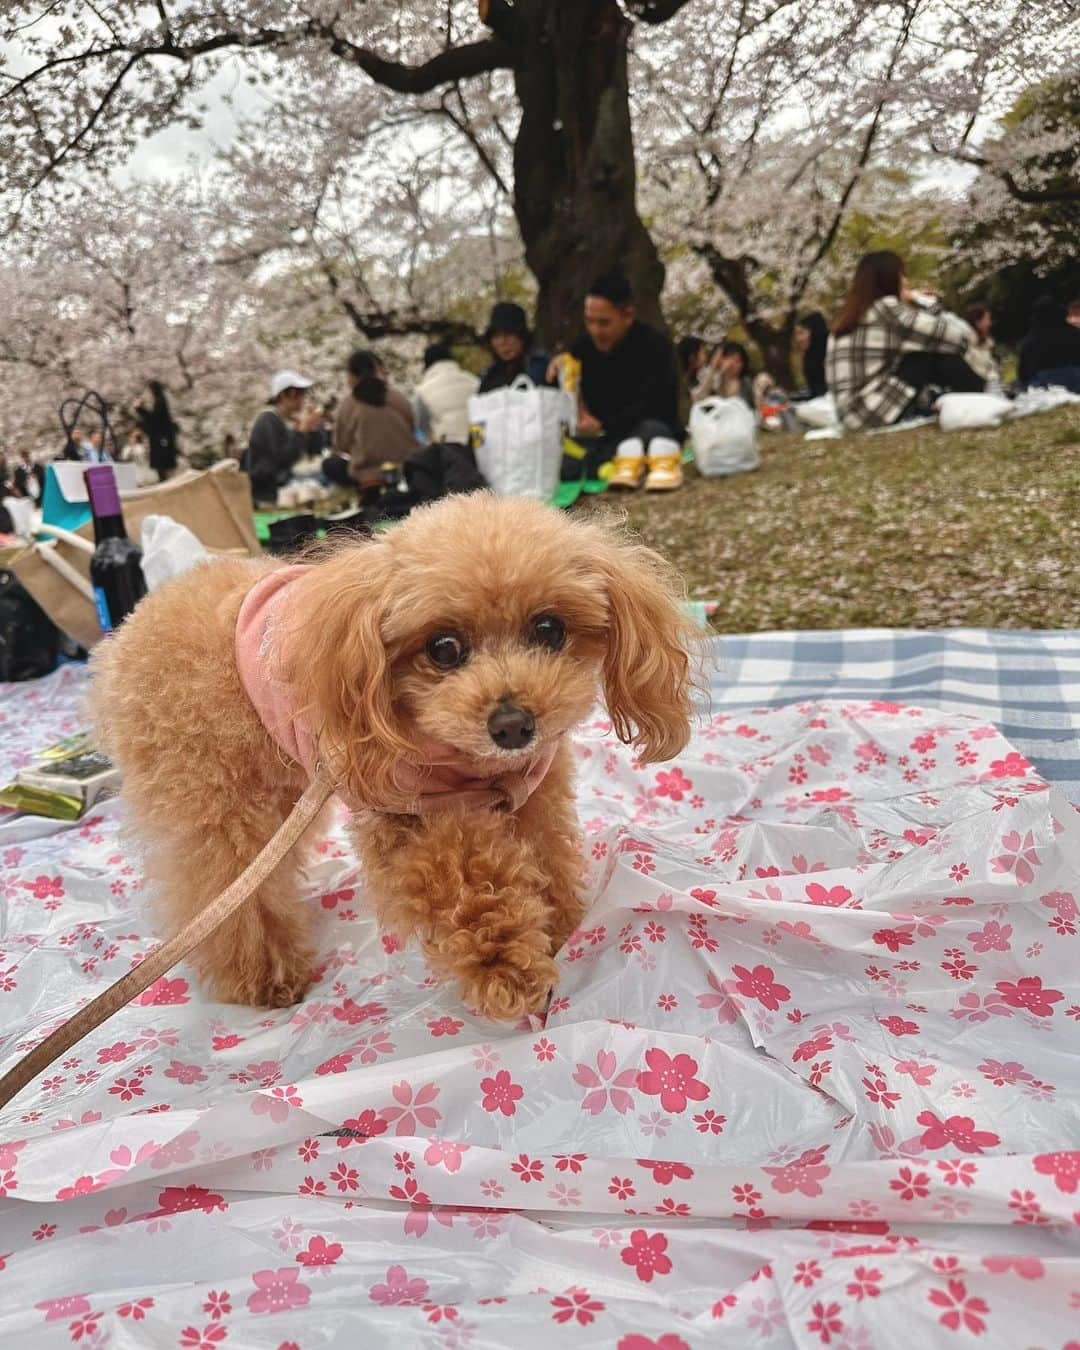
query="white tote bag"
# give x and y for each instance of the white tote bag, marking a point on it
(963, 412)
(723, 432)
(517, 436)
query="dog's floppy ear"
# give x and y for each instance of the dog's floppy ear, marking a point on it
(343, 674)
(653, 648)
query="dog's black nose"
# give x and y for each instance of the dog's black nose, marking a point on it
(511, 727)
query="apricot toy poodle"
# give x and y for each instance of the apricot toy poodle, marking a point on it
(436, 672)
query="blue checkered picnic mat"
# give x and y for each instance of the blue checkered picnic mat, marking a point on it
(1027, 683)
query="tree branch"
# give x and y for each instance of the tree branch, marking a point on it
(462, 122)
(655, 11)
(500, 17)
(381, 323)
(449, 66)
(1039, 196)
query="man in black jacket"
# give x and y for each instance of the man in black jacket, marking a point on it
(629, 390)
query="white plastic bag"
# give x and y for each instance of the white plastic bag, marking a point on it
(818, 412)
(723, 432)
(517, 436)
(963, 412)
(169, 548)
(1042, 399)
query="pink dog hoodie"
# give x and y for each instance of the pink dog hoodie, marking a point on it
(444, 780)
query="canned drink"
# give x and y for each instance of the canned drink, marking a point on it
(569, 373)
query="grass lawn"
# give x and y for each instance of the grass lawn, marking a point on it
(919, 529)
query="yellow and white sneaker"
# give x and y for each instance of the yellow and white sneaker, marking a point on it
(628, 465)
(665, 466)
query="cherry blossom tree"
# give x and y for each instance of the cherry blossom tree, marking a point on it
(1025, 200)
(1014, 234)
(404, 146)
(92, 79)
(787, 119)
(111, 290)
(402, 235)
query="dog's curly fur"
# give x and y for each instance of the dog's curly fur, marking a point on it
(491, 896)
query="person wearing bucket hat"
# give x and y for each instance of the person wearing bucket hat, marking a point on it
(280, 435)
(511, 344)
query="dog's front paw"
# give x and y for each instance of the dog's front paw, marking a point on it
(504, 991)
(502, 979)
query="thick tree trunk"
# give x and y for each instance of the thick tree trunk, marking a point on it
(775, 345)
(574, 177)
(774, 342)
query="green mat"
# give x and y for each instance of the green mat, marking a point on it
(566, 494)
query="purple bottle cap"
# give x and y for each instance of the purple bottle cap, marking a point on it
(102, 490)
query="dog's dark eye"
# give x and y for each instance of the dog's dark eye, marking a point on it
(547, 631)
(447, 650)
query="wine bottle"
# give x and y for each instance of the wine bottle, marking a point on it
(116, 567)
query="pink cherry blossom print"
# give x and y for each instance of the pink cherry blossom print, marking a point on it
(1027, 1267)
(278, 1291)
(669, 1341)
(445, 1153)
(501, 1093)
(355, 1014)
(412, 1111)
(1013, 765)
(1019, 857)
(319, 1252)
(398, 1289)
(180, 1199)
(672, 1080)
(962, 1311)
(1028, 993)
(72, 1305)
(804, 1175)
(991, 937)
(833, 897)
(647, 1254)
(825, 1321)
(719, 1001)
(761, 984)
(1063, 1167)
(607, 1086)
(672, 783)
(955, 1132)
(576, 1306)
(164, 991)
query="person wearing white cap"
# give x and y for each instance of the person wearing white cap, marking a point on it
(280, 435)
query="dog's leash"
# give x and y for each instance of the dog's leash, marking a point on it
(120, 993)
(508, 792)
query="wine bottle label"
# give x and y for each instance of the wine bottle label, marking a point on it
(102, 610)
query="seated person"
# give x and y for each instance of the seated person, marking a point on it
(812, 340)
(693, 355)
(727, 375)
(1050, 353)
(512, 346)
(280, 435)
(886, 351)
(629, 390)
(441, 399)
(374, 423)
(980, 355)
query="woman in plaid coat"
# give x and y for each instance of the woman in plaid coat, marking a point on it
(885, 350)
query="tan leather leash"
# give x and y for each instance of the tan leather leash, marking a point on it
(119, 994)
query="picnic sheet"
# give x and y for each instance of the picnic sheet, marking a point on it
(809, 1077)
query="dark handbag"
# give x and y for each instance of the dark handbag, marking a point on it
(29, 640)
(442, 468)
